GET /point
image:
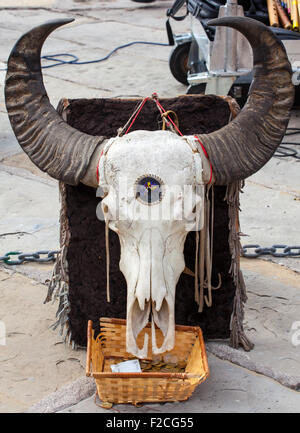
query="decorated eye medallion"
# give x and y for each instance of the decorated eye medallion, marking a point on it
(149, 189)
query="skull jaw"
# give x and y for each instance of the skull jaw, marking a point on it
(137, 319)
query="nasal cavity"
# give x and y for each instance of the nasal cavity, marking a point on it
(151, 280)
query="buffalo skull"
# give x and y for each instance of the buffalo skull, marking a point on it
(151, 249)
(153, 196)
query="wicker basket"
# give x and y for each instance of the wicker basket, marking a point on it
(110, 347)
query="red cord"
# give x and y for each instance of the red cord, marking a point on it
(133, 120)
(159, 105)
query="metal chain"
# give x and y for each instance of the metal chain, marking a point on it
(28, 257)
(276, 250)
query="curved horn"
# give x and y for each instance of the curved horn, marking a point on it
(52, 145)
(242, 147)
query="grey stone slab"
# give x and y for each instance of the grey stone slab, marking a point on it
(94, 5)
(39, 272)
(71, 86)
(228, 389)
(142, 79)
(20, 20)
(68, 395)
(29, 214)
(271, 203)
(26, 3)
(53, 45)
(269, 216)
(8, 39)
(150, 72)
(152, 17)
(292, 263)
(280, 174)
(100, 35)
(8, 142)
(241, 358)
(272, 308)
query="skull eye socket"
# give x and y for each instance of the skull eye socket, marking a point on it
(149, 189)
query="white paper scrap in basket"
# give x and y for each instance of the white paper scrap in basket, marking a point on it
(132, 366)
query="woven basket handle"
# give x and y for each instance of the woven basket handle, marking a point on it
(89, 348)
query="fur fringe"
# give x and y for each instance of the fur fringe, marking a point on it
(237, 335)
(58, 288)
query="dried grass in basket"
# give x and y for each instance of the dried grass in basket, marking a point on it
(110, 347)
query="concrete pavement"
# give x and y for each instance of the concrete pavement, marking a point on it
(266, 379)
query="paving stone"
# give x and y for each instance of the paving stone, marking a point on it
(228, 389)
